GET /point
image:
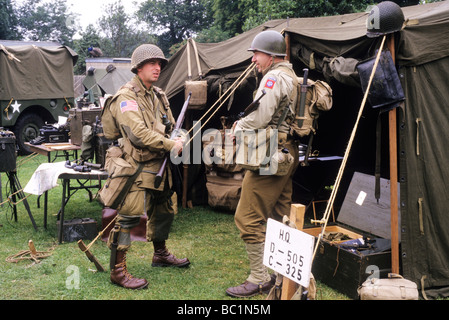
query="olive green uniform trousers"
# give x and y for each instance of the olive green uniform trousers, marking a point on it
(160, 215)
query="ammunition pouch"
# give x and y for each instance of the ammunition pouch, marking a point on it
(265, 153)
(120, 180)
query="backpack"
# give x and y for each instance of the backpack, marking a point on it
(318, 99)
(110, 127)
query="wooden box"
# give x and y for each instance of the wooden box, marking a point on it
(344, 264)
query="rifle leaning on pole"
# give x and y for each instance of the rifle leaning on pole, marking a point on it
(302, 101)
(179, 122)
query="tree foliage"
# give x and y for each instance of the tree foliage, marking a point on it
(175, 20)
(45, 21)
(9, 22)
(121, 36)
(167, 23)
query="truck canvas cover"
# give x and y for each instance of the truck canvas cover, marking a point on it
(36, 70)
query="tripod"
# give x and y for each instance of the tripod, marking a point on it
(16, 189)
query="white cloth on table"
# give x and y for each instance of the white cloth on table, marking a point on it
(46, 177)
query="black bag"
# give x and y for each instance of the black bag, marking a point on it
(8, 153)
(386, 89)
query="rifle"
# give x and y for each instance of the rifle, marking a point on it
(254, 105)
(302, 102)
(179, 122)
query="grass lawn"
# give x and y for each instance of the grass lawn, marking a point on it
(207, 237)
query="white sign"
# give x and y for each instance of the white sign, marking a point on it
(289, 252)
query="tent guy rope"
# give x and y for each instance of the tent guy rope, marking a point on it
(232, 88)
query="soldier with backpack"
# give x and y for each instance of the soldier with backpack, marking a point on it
(266, 195)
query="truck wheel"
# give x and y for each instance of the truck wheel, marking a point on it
(26, 129)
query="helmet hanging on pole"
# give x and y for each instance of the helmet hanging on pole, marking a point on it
(384, 18)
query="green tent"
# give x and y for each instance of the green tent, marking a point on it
(331, 47)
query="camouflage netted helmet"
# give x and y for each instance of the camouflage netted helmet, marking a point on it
(270, 42)
(384, 18)
(144, 53)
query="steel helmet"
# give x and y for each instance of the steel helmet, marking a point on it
(144, 53)
(384, 18)
(270, 42)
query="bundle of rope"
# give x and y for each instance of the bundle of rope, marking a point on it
(31, 254)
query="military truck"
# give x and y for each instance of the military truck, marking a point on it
(36, 87)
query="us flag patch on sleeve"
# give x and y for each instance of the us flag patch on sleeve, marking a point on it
(129, 105)
(270, 83)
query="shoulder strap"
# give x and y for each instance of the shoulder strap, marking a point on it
(162, 96)
(293, 94)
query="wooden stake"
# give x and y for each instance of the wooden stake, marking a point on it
(32, 248)
(289, 287)
(393, 176)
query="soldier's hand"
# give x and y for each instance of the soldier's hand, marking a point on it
(177, 149)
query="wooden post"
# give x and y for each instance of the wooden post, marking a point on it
(393, 176)
(289, 287)
(287, 44)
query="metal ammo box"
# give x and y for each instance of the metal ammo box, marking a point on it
(358, 245)
(78, 229)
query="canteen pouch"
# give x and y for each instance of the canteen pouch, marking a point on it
(395, 287)
(120, 179)
(198, 89)
(280, 163)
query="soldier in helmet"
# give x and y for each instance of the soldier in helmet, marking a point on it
(142, 113)
(266, 196)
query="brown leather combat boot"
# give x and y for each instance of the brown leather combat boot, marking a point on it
(163, 258)
(120, 275)
(248, 289)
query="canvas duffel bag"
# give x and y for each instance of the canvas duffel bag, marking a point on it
(395, 287)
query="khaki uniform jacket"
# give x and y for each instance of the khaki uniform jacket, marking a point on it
(267, 196)
(278, 86)
(139, 113)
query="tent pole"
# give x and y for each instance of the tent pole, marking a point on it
(287, 42)
(393, 176)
